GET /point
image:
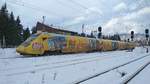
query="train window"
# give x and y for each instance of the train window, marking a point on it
(50, 44)
(44, 38)
(29, 40)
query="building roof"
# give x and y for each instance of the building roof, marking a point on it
(51, 29)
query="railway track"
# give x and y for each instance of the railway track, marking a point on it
(23, 56)
(75, 59)
(69, 62)
(106, 71)
(128, 79)
(30, 56)
(59, 64)
(13, 57)
(63, 64)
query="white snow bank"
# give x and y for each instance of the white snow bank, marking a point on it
(62, 69)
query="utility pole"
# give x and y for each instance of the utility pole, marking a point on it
(83, 34)
(3, 42)
(43, 17)
(82, 28)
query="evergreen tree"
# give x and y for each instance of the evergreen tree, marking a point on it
(3, 23)
(10, 29)
(12, 17)
(19, 31)
(26, 33)
(92, 35)
(34, 30)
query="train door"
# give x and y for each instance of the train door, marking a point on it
(51, 45)
(100, 45)
(97, 45)
(92, 44)
(79, 44)
(114, 45)
(72, 44)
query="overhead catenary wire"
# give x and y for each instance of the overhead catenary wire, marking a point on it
(21, 3)
(82, 6)
(34, 7)
(78, 4)
(31, 6)
(67, 5)
(39, 9)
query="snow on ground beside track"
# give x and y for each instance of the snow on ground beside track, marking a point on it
(143, 77)
(115, 75)
(8, 52)
(60, 69)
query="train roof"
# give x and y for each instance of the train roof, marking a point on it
(82, 37)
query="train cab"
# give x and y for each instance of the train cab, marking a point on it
(32, 45)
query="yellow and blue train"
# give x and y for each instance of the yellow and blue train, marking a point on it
(49, 43)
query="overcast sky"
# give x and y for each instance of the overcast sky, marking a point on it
(115, 16)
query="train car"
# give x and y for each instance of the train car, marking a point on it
(115, 45)
(32, 46)
(121, 45)
(48, 43)
(76, 44)
(107, 45)
(131, 45)
(41, 43)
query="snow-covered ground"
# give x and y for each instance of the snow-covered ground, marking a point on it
(143, 77)
(69, 68)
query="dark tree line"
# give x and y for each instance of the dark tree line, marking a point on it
(11, 29)
(100, 36)
(113, 37)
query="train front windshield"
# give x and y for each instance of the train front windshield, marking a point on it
(29, 40)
